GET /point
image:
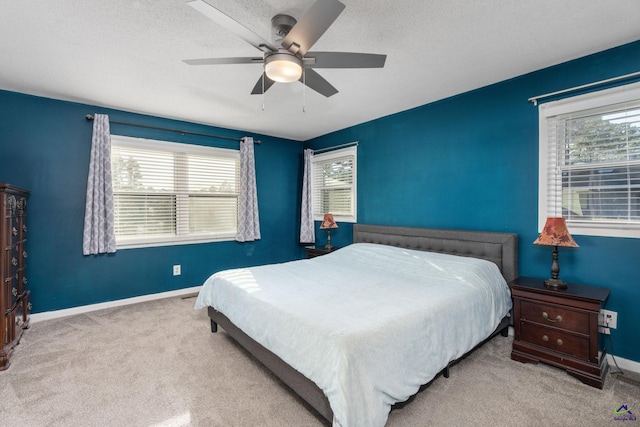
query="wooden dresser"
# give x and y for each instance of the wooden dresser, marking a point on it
(560, 328)
(14, 295)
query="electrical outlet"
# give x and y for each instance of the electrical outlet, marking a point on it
(604, 330)
(177, 270)
(609, 319)
(601, 318)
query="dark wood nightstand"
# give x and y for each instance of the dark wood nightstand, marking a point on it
(560, 328)
(314, 251)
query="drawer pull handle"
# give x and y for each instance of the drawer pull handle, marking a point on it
(559, 341)
(545, 338)
(546, 316)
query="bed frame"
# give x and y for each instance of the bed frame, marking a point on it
(500, 248)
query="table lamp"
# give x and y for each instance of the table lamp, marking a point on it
(555, 234)
(327, 224)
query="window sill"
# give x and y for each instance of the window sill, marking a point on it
(630, 232)
(157, 242)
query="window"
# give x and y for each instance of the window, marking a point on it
(334, 184)
(169, 193)
(590, 162)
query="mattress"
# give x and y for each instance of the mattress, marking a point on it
(368, 323)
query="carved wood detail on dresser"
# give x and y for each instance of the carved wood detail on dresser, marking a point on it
(14, 295)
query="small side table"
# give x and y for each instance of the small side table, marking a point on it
(559, 328)
(314, 251)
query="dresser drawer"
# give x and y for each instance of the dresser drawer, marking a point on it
(556, 339)
(22, 311)
(21, 281)
(13, 231)
(10, 204)
(16, 320)
(9, 330)
(11, 291)
(14, 255)
(559, 317)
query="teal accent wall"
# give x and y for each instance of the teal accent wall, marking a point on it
(45, 146)
(471, 162)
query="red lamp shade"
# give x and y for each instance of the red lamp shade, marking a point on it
(555, 233)
(328, 222)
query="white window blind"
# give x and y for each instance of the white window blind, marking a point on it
(591, 160)
(168, 193)
(334, 184)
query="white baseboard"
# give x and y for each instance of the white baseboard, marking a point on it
(47, 315)
(625, 364)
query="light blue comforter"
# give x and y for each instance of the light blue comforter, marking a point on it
(369, 324)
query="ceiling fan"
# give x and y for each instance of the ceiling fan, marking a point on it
(288, 58)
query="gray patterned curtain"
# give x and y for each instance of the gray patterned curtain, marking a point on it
(99, 235)
(307, 227)
(248, 218)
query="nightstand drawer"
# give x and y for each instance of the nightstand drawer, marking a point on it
(554, 339)
(558, 317)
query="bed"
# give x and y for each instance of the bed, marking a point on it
(351, 361)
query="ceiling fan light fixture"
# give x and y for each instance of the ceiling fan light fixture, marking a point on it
(283, 67)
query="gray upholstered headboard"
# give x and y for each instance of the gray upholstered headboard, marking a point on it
(500, 248)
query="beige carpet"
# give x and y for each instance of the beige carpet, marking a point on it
(157, 364)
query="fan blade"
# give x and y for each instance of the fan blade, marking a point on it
(343, 60)
(318, 83)
(312, 26)
(257, 89)
(220, 61)
(232, 25)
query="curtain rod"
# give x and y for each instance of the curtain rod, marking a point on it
(535, 99)
(89, 117)
(335, 147)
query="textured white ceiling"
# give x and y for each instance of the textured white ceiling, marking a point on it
(127, 54)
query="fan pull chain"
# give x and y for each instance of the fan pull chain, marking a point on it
(304, 91)
(263, 96)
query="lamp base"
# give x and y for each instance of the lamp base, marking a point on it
(328, 245)
(555, 284)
